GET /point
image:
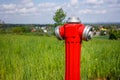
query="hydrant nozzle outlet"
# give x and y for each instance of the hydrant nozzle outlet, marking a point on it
(87, 33)
(57, 33)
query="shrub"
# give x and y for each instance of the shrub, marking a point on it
(17, 30)
(20, 30)
(114, 34)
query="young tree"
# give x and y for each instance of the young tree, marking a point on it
(59, 16)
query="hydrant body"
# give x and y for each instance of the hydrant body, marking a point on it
(72, 32)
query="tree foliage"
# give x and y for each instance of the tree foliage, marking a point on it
(59, 16)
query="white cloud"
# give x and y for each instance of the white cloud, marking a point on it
(30, 4)
(47, 5)
(95, 2)
(27, 3)
(85, 11)
(73, 2)
(90, 11)
(101, 11)
(111, 1)
(27, 10)
(8, 6)
(9, 12)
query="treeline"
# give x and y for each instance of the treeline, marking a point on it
(22, 25)
(22, 28)
(15, 28)
(107, 25)
(113, 30)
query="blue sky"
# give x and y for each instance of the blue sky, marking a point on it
(42, 11)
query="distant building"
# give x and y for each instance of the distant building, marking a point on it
(101, 28)
(33, 30)
(43, 28)
(118, 28)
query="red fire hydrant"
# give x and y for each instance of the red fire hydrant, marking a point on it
(73, 32)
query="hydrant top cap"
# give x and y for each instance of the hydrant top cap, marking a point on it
(73, 19)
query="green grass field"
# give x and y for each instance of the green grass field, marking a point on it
(43, 58)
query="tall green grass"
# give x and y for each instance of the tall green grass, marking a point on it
(43, 58)
(31, 58)
(101, 58)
